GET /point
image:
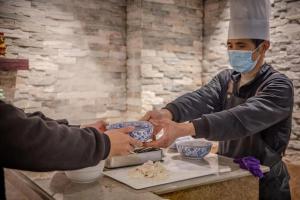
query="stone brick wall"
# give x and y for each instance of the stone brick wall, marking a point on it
(77, 52)
(134, 46)
(105, 58)
(283, 55)
(164, 51)
(8, 84)
(216, 20)
(77, 55)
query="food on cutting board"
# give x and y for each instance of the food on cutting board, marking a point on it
(150, 169)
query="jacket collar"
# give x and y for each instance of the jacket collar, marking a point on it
(236, 76)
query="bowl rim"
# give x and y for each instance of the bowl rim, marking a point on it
(129, 123)
(194, 144)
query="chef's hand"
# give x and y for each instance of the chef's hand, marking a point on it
(100, 125)
(120, 142)
(172, 131)
(157, 115)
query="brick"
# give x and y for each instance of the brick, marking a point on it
(161, 1)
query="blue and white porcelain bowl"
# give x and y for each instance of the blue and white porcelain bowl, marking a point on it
(194, 149)
(180, 139)
(143, 130)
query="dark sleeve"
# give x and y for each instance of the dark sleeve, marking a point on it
(32, 143)
(207, 99)
(272, 104)
(42, 116)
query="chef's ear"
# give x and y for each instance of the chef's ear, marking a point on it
(264, 46)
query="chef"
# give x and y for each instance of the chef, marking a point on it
(31, 141)
(248, 108)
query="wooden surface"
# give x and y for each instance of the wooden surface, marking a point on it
(294, 171)
(10, 64)
(13, 193)
(245, 188)
(24, 189)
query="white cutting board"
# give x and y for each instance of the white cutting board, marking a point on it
(178, 170)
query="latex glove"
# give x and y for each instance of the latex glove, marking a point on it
(251, 164)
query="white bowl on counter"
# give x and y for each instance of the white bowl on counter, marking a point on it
(86, 175)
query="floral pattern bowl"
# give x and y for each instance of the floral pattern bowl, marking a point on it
(143, 130)
(194, 149)
(173, 146)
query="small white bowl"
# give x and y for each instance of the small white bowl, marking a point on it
(86, 175)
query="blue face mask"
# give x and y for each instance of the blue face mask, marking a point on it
(241, 61)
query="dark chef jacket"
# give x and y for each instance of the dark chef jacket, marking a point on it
(267, 111)
(36, 143)
(260, 126)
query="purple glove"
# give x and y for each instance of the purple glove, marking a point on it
(251, 164)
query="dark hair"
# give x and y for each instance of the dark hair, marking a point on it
(257, 42)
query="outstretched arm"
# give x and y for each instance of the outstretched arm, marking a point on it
(30, 142)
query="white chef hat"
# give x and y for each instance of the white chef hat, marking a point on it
(249, 19)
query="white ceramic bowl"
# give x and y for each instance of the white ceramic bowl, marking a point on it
(86, 175)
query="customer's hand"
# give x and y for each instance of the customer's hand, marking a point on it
(156, 115)
(121, 142)
(100, 125)
(171, 131)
